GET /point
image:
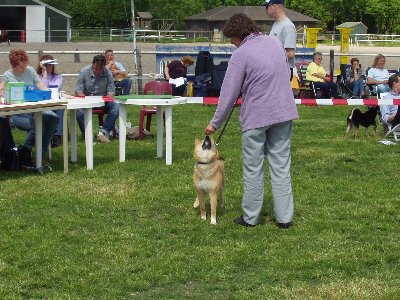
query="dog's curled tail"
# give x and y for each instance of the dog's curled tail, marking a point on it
(352, 112)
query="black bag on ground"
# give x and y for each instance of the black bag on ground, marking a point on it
(217, 77)
(11, 160)
(204, 63)
(25, 156)
(200, 84)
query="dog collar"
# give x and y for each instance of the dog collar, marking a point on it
(204, 163)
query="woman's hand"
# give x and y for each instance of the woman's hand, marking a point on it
(44, 70)
(209, 129)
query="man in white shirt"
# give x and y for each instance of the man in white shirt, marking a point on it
(283, 29)
(390, 113)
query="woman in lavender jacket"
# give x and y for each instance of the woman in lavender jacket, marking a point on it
(51, 79)
(258, 71)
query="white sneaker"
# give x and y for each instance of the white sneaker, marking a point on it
(146, 132)
(102, 138)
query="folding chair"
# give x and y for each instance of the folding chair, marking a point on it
(387, 128)
(395, 132)
(100, 112)
(152, 88)
(315, 90)
(344, 90)
(370, 87)
(304, 87)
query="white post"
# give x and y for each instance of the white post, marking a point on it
(134, 36)
(49, 30)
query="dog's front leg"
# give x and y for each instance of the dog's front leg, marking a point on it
(196, 203)
(213, 202)
(200, 197)
(221, 198)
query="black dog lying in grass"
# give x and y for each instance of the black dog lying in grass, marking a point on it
(365, 119)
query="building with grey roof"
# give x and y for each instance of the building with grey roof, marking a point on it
(34, 21)
(214, 19)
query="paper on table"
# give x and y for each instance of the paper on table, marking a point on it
(94, 98)
(386, 142)
(178, 81)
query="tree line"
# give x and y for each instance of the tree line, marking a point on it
(381, 17)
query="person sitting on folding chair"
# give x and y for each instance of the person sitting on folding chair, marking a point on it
(21, 72)
(318, 77)
(121, 79)
(354, 80)
(378, 75)
(97, 80)
(391, 113)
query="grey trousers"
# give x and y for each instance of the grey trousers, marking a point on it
(272, 142)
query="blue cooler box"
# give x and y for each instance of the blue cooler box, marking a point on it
(31, 94)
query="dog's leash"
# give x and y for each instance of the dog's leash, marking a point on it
(226, 123)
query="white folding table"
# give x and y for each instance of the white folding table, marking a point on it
(87, 104)
(37, 108)
(163, 103)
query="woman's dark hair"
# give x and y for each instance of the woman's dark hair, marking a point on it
(392, 79)
(240, 26)
(353, 60)
(39, 68)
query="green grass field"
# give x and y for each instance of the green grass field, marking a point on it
(128, 230)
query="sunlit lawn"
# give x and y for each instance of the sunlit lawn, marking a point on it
(128, 230)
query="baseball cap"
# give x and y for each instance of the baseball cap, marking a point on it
(270, 2)
(49, 62)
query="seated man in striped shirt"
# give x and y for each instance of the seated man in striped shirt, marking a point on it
(390, 113)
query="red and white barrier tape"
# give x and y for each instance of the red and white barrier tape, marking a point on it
(337, 102)
(312, 102)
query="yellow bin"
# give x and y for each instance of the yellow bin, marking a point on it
(189, 91)
(311, 37)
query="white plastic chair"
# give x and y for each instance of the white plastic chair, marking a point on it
(395, 131)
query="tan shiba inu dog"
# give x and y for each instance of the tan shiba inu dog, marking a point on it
(208, 177)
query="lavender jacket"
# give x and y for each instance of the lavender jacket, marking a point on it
(258, 71)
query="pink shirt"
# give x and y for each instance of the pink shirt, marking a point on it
(257, 71)
(52, 80)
